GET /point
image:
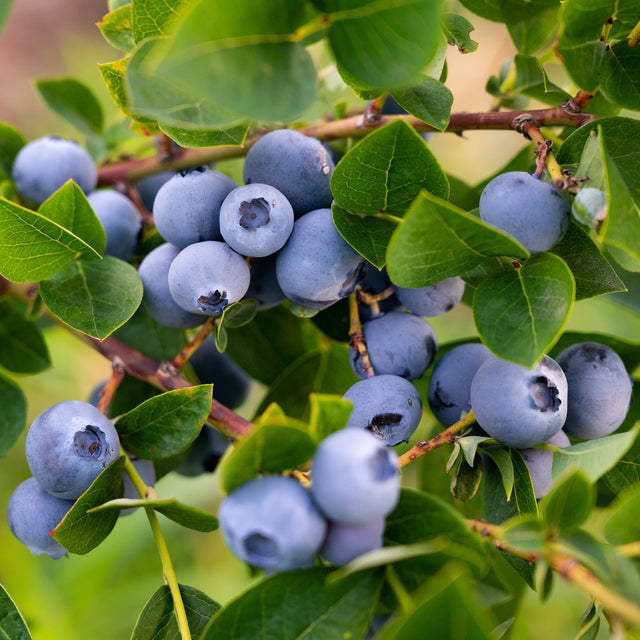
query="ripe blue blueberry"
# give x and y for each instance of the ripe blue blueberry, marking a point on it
(399, 343)
(517, 406)
(230, 383)
(43, 165)
(272, 523)
(345, 542)
(295, 164)
(120, 219)
(33, 513)
(208, 276)
(355, 477)
(533, 212)
(256, 220)
(316, 267)
(388, 406)
(450, 383)
(539, 463)
(434, 300)
(599, 389)
(154, 273)
(263, 286)
(67, 447)
(186, 208)
(149, 186)
(204, 453)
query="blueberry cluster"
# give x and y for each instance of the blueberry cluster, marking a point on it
(275, 524)
(584, 393)
(67, 446)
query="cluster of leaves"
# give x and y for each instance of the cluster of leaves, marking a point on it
(206, 74)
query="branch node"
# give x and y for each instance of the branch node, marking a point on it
(519, 123)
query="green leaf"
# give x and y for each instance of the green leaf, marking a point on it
(11, 141)
(622, 525)
(592, 272)
(157, 620)
(436, 240)
(504, 464)
(270, 448)
(328, 413)
(81, 531)
(300, 604)
(13, 415)
(626, 472)
(189, 517)
(520, 314)
(456, 30)
(94, 296)
(428, 100)
(74, 102)
(466, 481)
(5, 8)
(447, 606)
(620, 81)
(117, 30)
(22, 346)
(532, 81)
(12, 624)
(153, 18)
(569, 503)
(523, 487)
(167, 424)
(32, 247)
(245, 58)
(385, 171)
(368, 235)
(69, 208)
(531, 34)
(526, 533)
(594, 457)
(196, 138)
(385, 43)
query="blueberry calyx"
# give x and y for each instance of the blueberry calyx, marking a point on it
(215, 301)
(257, 544)
(90, 443)
(544, 394)
(254, 213)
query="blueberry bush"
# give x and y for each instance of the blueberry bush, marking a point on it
(387, 481)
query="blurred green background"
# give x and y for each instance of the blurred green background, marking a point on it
(100, 596)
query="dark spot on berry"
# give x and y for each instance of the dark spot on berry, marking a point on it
(593, 353)
(355, 275)
(253, 213)
(441, 399)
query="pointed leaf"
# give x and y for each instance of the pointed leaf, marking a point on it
(94, 296)
(299, 604)
(429, 100)
(116, 28)
(81, 531)
(520, 314)
(504, 464)
(32, 247)
(167, 424)
(385, 171)
(73, 101)
(196, 138)
(157, 620)
(12, 624)
(436, 240)
(456, 29)
(153, 18)
(13, 415)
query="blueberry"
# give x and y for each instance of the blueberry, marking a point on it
(207, 276)
(533, 212)
(231, 384)
(43, 165)
(147, 471)
(345, 542)
(316, 267)
(68, 445)
(272, 523)
(154, 273)
(204, 453)
(256, 220)
(355, 477)
(374, 282)
(433, 300)
(295, 164)
(399, 343)
(120, 219)
(450, 383)
(263, 286)
(149, 186)
(517, 406)
(388, 406)
(186, 208)
(540, 461)
(589, 206)
(599, 389)
(33, 513)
